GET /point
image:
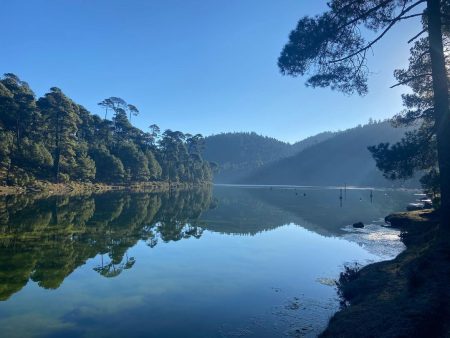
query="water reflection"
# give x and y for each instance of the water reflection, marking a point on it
(45, 240)
(129, 265)
(250, 210)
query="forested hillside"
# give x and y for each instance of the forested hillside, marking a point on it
(53, 138)
(239, 154)
(310, 141)
(341, 159)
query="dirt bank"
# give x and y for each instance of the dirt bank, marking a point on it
(405, 297)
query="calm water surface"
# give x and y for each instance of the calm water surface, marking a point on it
(226, 262)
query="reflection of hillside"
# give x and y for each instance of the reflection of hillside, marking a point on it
(322, 211)
(252, 210)
(46, 240)
(240, 212)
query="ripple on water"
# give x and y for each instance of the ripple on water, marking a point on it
(381, 241)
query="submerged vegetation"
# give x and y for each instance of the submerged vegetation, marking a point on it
(53, 138)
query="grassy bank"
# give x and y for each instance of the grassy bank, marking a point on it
(405, 297)
(48, 189)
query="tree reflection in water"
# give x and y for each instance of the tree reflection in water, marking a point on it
(45, 240)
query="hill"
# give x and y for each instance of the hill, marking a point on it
(312, 140)
(338, 160)
(239, 154)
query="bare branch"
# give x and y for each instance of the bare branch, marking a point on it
(407, 17)
(411, 16)
(417, 35)
(410, 79)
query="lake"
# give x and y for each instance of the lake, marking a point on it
(212, 262)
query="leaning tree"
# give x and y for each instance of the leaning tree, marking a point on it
(332, 48)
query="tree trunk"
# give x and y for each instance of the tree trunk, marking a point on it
(441, 107)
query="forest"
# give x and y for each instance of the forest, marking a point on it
(53, 138)
(328, 158)
(339, 160)
(238, 154)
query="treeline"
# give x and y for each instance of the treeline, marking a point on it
(53, 138)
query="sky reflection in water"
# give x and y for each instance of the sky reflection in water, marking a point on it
(232, 262)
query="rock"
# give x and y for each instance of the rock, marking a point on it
(427, 203)
(358, 225)
(414, 206)
(404, 220)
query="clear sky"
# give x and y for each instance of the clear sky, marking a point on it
(199, 66)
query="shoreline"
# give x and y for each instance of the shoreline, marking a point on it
(313, 187)
(408, 296)
(46, 188)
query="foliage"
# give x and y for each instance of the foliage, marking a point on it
(417, 151)
(54, 138)
(331, 48)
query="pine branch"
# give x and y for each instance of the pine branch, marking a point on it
(365, 14)
(373, 42)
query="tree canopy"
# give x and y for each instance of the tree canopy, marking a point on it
(331, 49)
(53, 138)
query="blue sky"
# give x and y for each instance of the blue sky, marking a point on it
(199, 66)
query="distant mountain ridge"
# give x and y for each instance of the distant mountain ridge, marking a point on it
(338, 160)
(328, 158)
(240, 153)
